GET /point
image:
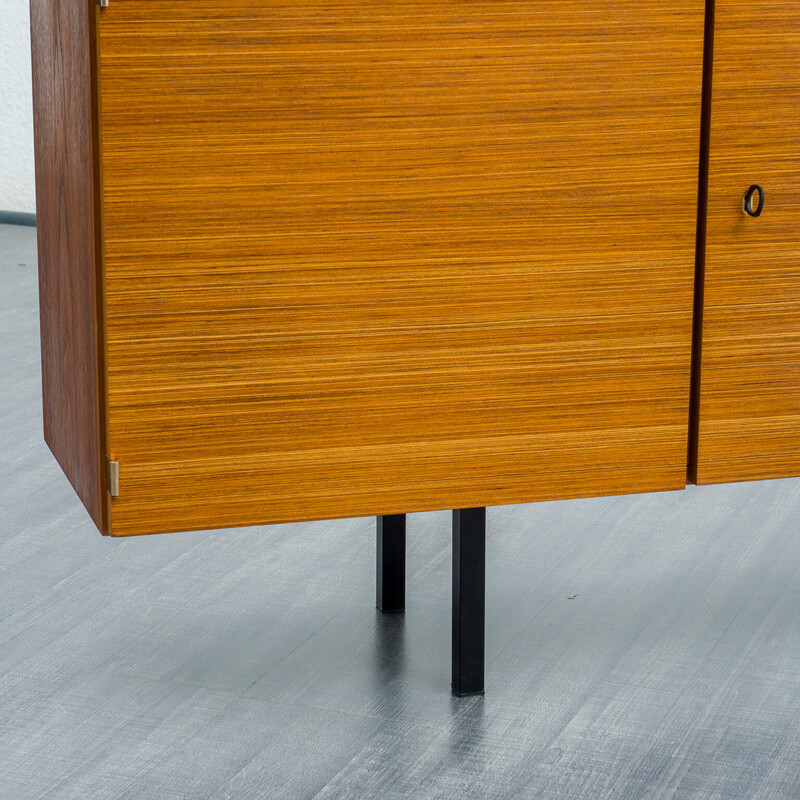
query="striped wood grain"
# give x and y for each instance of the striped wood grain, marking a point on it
(369, 258)
(749, 423)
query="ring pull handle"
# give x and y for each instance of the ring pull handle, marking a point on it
(747, 201)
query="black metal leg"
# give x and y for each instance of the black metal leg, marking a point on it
(391, 563)
(469, 599)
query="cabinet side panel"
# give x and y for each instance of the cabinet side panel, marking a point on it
(62, 40)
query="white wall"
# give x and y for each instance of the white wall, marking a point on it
(16, 109)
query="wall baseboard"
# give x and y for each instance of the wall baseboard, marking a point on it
(17, 218)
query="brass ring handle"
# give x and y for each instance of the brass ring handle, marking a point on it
(747, 201)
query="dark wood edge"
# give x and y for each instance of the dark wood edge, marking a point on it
(700, 252)
(100, 283)
(64, 73)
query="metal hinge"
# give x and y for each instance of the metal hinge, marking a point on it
(113, 478)
(102, 3)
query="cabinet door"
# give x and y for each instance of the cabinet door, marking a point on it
(749, 400)
(369, 257)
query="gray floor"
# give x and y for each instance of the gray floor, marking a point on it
(637, 647)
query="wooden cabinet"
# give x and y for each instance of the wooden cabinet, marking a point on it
(748, 388)
(310, 260)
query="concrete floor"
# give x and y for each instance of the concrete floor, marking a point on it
(637, 647)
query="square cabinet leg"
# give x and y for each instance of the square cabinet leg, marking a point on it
(391, 563)
(469, 600)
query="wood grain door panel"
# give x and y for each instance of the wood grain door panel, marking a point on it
(368, 258)
(749, 414)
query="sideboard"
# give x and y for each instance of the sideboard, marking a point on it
(312, 260)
